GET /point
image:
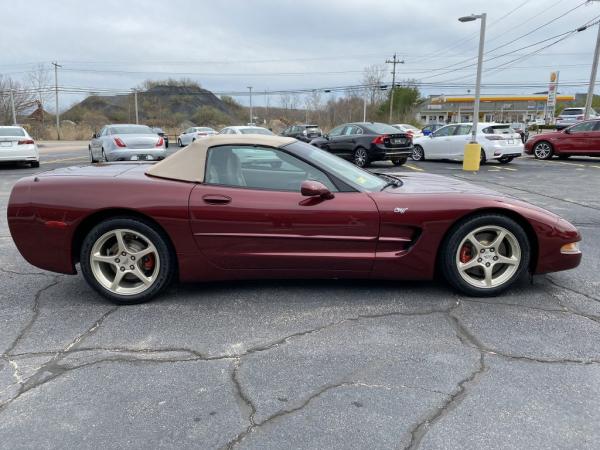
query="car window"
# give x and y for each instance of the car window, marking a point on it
(337, 131)
(12, 131)
(256, 167)
(572, 112)
(582, 127)
(348, 130)
(463, 130)
(498, 129)
(444, 131)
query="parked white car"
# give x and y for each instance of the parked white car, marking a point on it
(246, 130)
(193, 133)
(16, 145)
(409, 129)
(498, 141)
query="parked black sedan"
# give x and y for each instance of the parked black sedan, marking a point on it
(364, 142)
(303, 132)
(162, 134)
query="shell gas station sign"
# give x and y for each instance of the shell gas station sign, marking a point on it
(551, 102)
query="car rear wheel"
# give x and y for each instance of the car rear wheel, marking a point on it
(485, 254)
(505, 159)
(543, 150)
(103, 158)
(361, 158)
(418, 153)
(126, 260)
(399, 162)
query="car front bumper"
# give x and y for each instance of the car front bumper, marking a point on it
(137, 154)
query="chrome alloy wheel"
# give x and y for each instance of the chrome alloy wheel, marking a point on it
(542, 150)
(488, 257)
(418, 153)
(125, 262)
(360, 157)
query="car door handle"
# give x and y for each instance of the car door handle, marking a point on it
(216, 199)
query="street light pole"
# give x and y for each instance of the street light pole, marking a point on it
(12, 107)
(56, 66)
(590, 93)
(470, 149)
(250, 89)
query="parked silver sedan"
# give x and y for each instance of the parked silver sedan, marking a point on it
(127, 143)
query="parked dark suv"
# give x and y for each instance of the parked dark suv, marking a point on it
(364, 142)
(303, 132)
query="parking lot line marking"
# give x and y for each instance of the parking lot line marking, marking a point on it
(418, 169)
(75, 158)
(570, 163)
(509, 168)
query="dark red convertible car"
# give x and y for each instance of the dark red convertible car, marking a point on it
(235, 207)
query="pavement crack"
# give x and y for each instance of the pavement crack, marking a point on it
(35, 313)
(245, 401)
(14, 272)
(562, 286)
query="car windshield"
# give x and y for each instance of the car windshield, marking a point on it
(256, 130)
(381, 128)
(12, 131)
(131, 129)
(347, 172)
(572, 112)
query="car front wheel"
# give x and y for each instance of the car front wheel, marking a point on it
(179, 143)
(418, 153)
(126, 260)
(543, 150)
(505, 159)
(484, 255)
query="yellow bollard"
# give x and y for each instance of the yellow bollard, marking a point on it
(472, 157)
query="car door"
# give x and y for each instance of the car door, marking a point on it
(249, 214)
(334, 140)
(437, 145)
(347, 141)
(456, 142)
(580, 139)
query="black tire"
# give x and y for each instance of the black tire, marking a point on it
(361, 157)
(179, 143)
(563, 156)
(449, 250)
(505, 159)
(103, 158)
(418, 153)
(158, 238)
(482, 158)
(543, 150)
(399, 162)
(34, 164)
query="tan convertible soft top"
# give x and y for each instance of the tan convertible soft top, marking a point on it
(188, 164)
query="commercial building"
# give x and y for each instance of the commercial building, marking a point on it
(492, 108)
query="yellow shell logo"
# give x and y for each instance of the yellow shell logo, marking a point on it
(553, 77)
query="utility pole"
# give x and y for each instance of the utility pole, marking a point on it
(12, 106)
(56, 66)
(365, 107)
(393, 62)
(137, 117)
(590, 93)
(266, 108)
(251, 120)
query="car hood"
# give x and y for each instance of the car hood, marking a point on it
(449, 190)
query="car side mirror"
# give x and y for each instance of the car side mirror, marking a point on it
(311, 188)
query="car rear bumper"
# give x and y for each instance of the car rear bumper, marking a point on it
(381, 153)
(148, 154)
(23, 153)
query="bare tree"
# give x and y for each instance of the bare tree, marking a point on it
(24, 99)
(373, 77)
(39, 81)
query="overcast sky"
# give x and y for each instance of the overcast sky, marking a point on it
(229, 45)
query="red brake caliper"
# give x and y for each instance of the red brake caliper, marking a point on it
(148, 262)
(465, 254)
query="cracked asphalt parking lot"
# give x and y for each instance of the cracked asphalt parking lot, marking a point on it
(294, 364)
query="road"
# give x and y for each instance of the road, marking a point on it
(295, 364)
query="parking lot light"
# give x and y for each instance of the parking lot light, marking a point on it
(471, 158)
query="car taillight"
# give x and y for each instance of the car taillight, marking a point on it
(201, 134)
(160, 142)
(380, 139)
(25, 141)
(119, 142)
(494, 137)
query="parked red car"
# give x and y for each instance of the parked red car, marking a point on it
(581, 139)
(254, 206)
